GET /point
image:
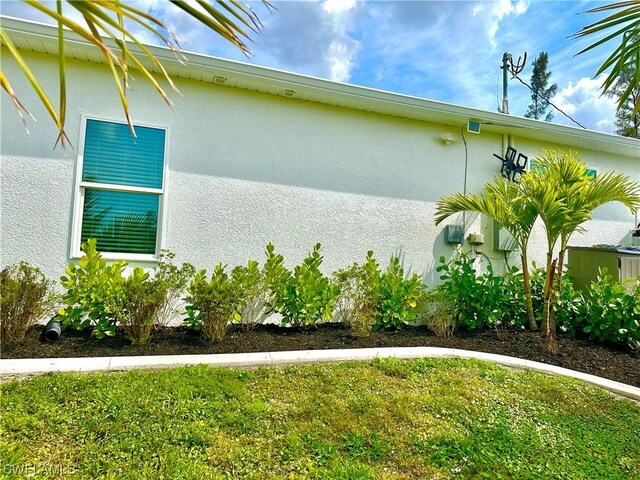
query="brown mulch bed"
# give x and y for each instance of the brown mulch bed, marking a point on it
(615, 363)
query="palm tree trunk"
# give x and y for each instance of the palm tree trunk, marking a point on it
(557, 303)
(526, 280)
(548, 289)
(550, 332)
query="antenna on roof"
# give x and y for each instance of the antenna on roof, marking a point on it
(515, 69)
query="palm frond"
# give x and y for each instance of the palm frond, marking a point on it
(626, 25)
(566, 198)
(20, 108)
(106, 20)
(501, 200)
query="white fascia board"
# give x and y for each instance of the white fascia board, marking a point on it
(350, 96)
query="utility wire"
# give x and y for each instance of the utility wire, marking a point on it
(547, 100)
(466, 167)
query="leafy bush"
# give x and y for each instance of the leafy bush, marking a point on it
(143, 298)
(510, 292)
(485, 299)
(467, 293)
(25, 297)
(254, 295)
(473, 296)
(435, 311)
(397, 297)
(95, 293)
(303, 297)
(212, 304)
(357, 303)
(98, 296)
(610, 313)
(173, 280)
(276, 276)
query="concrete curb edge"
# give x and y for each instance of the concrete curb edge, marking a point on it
(35, 366)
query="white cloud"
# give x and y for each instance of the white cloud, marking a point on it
(500, 10)
(584, 102)
(311, 37)
(340, 60)
(341, 53)
(445, 50)
(337, 6)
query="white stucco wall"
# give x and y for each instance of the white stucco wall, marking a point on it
(248, 168)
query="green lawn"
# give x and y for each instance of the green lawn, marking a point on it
(418, 419)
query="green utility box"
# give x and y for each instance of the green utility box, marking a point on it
(621, 263)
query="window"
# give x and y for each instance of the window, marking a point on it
(121, 186)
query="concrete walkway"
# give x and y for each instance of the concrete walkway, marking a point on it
(24, 367)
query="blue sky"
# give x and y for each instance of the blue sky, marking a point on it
(442, 50)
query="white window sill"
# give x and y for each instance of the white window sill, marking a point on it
(129, 257)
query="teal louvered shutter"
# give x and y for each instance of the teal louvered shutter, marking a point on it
(121, 222)
(112, 155)
(116, 163)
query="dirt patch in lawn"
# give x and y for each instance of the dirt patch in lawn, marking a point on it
(618, 364)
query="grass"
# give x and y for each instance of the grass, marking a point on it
(383, 419)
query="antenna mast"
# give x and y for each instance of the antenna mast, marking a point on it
(515, 69)
(506, 59)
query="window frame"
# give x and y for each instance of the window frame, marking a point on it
(81, 186)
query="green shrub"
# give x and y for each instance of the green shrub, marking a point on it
(173, 280)
(254, 295)
(143, 298)
(398, 297)
(303, 297)
(212, 304)
(99, 297)
(358, 301)
(484, 299)
(610, 312)
(435, 310)
(25, 297)
(466, 292)
(95, 293)
(473, 297)
(276, 276)
(510, 292)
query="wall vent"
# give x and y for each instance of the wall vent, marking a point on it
(288, 93)
(219, 80)
(473, 126)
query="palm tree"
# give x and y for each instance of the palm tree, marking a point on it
(107, 31)
(565, 199)
(581, 195)
(502, 201)
(625, 24)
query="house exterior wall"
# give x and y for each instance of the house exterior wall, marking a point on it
(245, 169)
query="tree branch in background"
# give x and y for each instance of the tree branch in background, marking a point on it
(540, 92)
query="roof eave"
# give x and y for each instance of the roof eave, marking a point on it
(341, 94)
